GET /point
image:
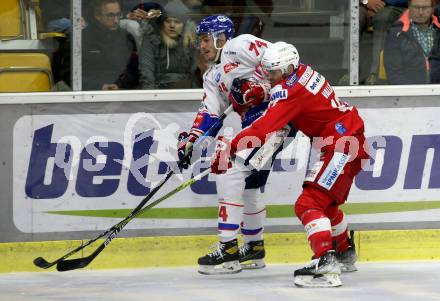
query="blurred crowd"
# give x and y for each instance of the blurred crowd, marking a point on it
(135, 44)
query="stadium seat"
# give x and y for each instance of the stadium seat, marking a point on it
(11, 20)
(25, 72)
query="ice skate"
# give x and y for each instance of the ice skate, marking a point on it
(224, 260)
(251, 255)
(348, 258)
(321, 272)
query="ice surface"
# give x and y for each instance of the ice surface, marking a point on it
(402, 281)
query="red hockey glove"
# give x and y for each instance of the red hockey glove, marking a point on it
(221, 159)
(185, 148)
(246, 94)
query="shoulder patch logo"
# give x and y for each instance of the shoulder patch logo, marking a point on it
(291, 80)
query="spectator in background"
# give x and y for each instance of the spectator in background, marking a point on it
(168, 56)
(56, 15)
(434, 58)
(137, 17)
(109, 52)
(383, 13)
(409, 45)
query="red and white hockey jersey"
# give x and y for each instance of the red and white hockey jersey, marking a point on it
(240, 58)
(306, 100)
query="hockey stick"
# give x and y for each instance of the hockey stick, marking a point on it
(77, 263)
(115, 229)
(260, 159)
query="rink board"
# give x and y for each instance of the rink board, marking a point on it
(168, 251)
(71, 169)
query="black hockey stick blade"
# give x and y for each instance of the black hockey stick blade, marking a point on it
(43, 263)
(73, 264)
(79, 263)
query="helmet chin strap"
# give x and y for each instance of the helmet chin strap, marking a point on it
(219, 49)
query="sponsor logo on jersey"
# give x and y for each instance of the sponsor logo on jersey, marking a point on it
(218, 77)
(327, 91)
(278, 95)
(229, 52)
(333, 170)
(305, 76)
(340, 128)
(229, 67)
(315, 83)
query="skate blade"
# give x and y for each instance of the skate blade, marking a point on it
(326, 280)
(348, 268)
(253, 264)
(232, 267)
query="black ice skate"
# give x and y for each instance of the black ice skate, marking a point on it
(348, 258)
(224, 260)
(321, 272)
(251, 255)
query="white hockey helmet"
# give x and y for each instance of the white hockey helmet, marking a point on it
(279, 55)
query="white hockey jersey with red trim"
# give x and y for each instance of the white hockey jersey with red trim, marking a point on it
(240, 58)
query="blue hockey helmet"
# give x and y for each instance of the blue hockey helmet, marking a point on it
(216, 25)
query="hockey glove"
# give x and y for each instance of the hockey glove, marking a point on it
(246, 94)
(221, 159)
(185, 148)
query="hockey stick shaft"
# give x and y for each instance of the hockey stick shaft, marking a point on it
(42, 263)
(67, 265)
(176, 190)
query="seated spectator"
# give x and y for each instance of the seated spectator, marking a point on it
(108, 51)
(167, 57)
(409, 44)
(56, 15)
(383, 14)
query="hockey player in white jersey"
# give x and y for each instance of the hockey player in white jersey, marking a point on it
(235, 75)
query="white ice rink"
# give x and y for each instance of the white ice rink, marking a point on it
(373, 282)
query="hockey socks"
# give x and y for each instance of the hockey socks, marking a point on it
(339, 232)
(318, 231)
(345, 248)
(229, 218)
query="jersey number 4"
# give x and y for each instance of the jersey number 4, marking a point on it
(222, 213)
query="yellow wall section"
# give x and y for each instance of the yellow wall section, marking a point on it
(184, 250)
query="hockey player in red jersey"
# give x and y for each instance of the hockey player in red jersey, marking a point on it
(303, 98)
